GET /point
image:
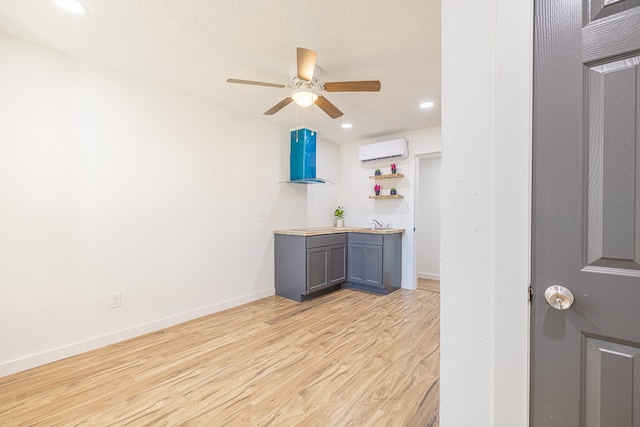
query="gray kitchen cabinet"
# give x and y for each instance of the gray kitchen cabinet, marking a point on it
(326, 266)
(375, 262)
(307, 266)
(365, 264)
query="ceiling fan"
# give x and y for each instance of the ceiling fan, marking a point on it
(307, 87)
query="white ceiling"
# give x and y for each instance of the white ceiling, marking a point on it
(195, 45)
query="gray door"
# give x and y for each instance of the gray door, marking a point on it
(373, 265)
(337, 264)
(317, 268)
(586, 213)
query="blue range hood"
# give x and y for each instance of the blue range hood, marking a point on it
(302, 160)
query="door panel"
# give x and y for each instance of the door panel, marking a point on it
(337, 264)
(613, 218)
(602, 8)
(356, 263)
(586, 213)
(317, 268)
(373, 265)
(612, 372)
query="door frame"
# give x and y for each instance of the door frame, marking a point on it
(513, 171)
(486, 125)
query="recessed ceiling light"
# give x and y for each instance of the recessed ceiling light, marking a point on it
(427, 104)
(347, 125)
(72, 6)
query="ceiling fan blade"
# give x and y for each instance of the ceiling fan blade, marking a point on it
(361, 86)
(306, 63)
(251, 82)
(279, 106)
(328, 107)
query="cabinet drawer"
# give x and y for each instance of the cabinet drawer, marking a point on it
(326, 240)
(366, 238)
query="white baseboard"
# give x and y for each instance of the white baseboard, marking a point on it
(18, 365)
(429, 276)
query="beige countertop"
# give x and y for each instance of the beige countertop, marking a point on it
(317, 231)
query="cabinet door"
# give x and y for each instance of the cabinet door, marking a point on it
(356, 263)
(337, 264)
(372, 271)
(317, 268)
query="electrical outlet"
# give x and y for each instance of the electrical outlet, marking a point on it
(116, 300)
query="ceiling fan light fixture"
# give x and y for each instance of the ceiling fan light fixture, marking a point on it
(304, 97)
(72, 6)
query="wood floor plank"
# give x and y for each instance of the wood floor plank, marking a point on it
(346, 358)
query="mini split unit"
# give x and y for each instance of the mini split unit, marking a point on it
(386, 150)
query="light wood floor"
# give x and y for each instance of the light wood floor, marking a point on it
(428, 285)
(348, 358)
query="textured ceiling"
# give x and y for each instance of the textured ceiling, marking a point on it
(195, 45)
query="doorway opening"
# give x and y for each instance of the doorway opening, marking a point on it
(427, 222)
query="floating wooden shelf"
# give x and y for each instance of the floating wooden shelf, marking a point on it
(387, 176)
(388, 196)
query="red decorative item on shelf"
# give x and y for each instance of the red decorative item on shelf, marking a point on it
(393, 168)
(376, 188)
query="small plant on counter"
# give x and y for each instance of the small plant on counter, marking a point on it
(377, 172)
(339, 215)
(393, 168)
(393, 191)
(376, 188)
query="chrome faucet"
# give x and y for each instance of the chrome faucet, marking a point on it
(377, 224)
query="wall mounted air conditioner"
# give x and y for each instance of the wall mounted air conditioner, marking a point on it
(386, 150)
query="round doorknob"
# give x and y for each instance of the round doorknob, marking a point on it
(558, 297)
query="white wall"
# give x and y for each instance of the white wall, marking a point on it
(486, 139)
(356, 187)
(112, 184)
(428, 218)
